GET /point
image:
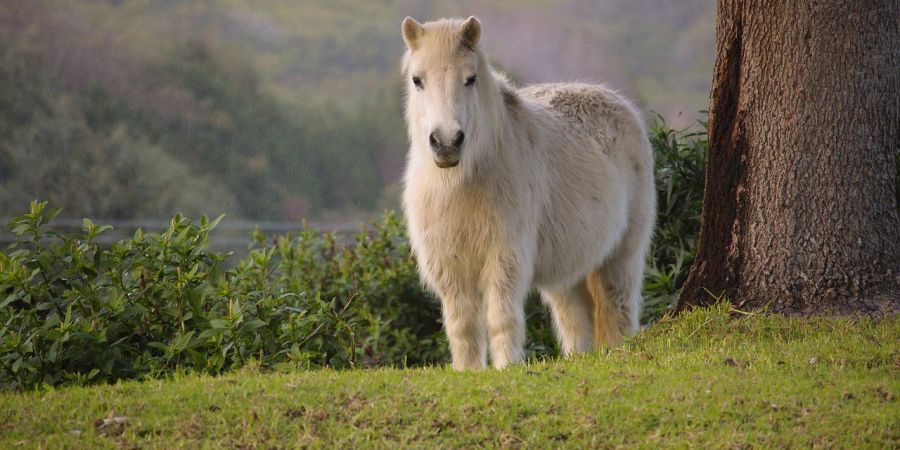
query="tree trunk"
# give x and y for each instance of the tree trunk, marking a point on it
(800, 211)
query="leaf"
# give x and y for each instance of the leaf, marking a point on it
(182, 341)
(108, 366)
(20, 229)
(212, 332)
(158, 345)
(252, 325)
(10, 298)
(218, 323)
(216, 221)
(51, 214)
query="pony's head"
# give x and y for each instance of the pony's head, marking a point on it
(444, 71)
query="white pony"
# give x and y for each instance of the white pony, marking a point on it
(547, 187)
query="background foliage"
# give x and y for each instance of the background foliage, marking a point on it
(280, 110)
(273, 110)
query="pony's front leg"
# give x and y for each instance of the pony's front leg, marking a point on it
(464, 325)
(506, 288)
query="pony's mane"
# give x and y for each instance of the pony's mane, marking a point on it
(507, 88)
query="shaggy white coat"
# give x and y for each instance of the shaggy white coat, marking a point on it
(553, 191)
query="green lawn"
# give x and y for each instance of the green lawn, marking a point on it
(711, 377)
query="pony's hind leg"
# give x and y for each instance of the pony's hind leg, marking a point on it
(573, 310)
(616, 290)
(616, 284)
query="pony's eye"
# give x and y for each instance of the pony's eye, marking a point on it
(470, 81)
(418, 82)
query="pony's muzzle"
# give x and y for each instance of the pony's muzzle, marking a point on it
(446, 155)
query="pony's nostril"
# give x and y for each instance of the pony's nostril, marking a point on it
(432, 139)
(437, 143)
(458, 140)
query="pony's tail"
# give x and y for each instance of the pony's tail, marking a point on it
(612, 318)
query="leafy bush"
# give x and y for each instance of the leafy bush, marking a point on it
(73, 312)
(374, 278)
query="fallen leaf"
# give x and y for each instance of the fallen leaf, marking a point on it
(112, 425)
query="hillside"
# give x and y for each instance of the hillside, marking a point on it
(714, 378)
(280, 110)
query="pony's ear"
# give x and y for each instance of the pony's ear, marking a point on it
(412, 31)
(470, 32)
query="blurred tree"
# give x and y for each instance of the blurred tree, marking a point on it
(59, 157)
(800, 210)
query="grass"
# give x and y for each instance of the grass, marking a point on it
(715, 377)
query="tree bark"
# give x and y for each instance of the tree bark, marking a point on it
(800, 210)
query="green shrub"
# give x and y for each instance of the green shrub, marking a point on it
(680, 160)
(374, 277)
(73, 312)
